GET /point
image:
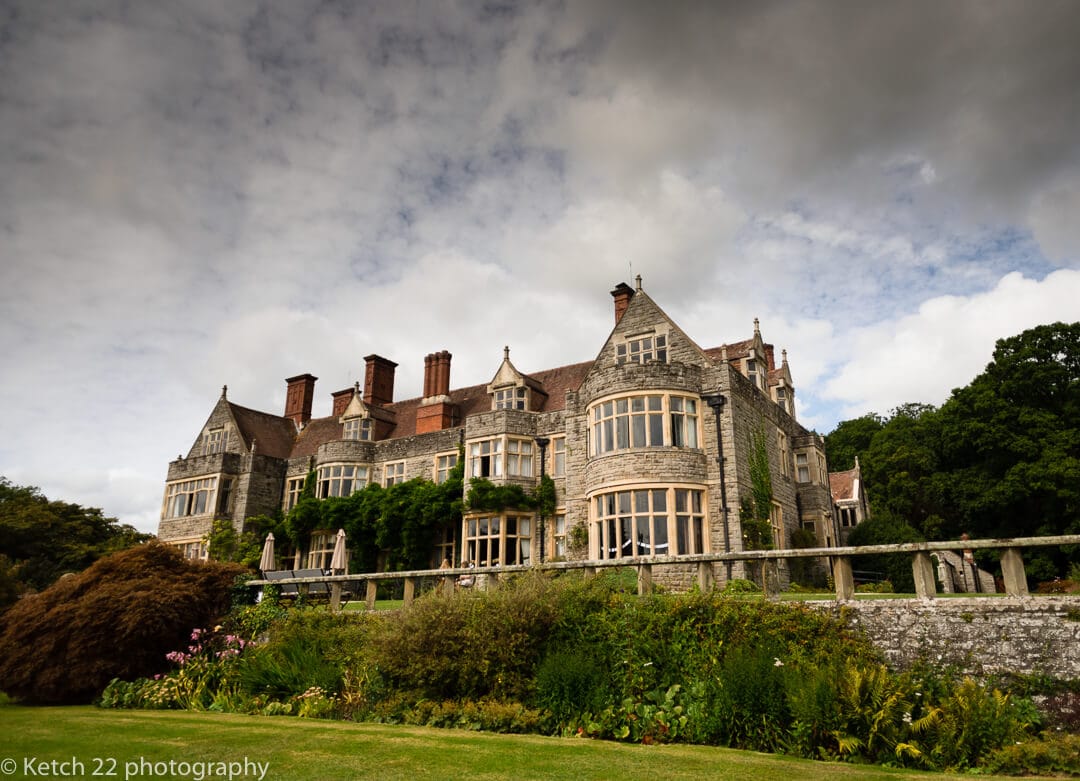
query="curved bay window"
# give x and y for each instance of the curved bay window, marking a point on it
(498, 539)
(654, 521)
(650, 420)
(341, 479)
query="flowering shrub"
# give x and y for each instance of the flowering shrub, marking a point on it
(205, 677)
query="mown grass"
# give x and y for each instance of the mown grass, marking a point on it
(300, 749)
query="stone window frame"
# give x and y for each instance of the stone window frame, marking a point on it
(649, 346)
(492, 457)
(783, 452)
(510, 397)
(507, 535)
(442, 463)
(686, 525)
(201, 497)
(193, 550)
(776, 520)
(558, 533)
(294, 486)
(357, 429)
(605, 415)
(214, 441)
(328, 484)
(393, 473)
(321, 549)
(803, 472)
(558, 456)
(782, 399)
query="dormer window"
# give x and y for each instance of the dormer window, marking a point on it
(511, 398)
(357, 428)
(753, 372)
(782, 399)
(642, 349)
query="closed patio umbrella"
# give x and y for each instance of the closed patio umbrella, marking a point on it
(266, 561)
(338, 561)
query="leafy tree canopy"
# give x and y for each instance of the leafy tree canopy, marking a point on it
(1000, 458)
(41, 539)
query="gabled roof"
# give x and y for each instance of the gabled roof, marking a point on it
(273, 434)
(842, 485)
(469, 400)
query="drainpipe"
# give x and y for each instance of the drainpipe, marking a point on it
(716, 402)
(542, 443)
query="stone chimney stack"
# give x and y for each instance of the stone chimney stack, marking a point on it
(298, 398)
(379, 380)
(622, 295)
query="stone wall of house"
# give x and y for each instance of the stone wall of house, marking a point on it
(980, 636)
(258, 489)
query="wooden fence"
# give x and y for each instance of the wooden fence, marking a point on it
(1012, 568)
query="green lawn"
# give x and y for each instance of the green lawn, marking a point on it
(298, 749)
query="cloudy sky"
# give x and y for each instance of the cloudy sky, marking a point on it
(199, 193)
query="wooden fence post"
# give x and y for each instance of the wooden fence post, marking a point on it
(923, 570)
(1012, 572)
(843, 578)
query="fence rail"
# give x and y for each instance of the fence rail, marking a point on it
(1012, 567)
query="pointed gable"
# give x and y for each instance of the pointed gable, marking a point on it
(645, 333)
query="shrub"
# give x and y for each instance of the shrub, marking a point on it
(751, 704)
(116, 619)
(1057, 755)
(309, 648)
(471, 645)
(571, 682)
(971, 722)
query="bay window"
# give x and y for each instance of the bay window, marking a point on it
(500, 456)
(190, 497)
(340, 479)
(648, 521)
(652, 420)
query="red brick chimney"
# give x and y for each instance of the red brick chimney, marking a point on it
(298, 398)
(379, 380)
(436, 412)
(622, 295)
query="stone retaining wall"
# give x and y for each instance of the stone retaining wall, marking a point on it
(1033, 635)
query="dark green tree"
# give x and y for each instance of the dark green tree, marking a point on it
(850, 439)
(884, 529)
(43, 539)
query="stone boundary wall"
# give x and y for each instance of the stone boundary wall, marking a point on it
(981, 636)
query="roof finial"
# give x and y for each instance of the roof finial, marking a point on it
(506, 353)
(723, 352)
(783, 357)
(224, 390)
(757, 327)
(637, 282)
(356, 388)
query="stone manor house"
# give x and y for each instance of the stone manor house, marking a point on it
(648, 445)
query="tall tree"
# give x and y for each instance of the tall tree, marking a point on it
(42, 539)
(850, 439)
(1000, 458)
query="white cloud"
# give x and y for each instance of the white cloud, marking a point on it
(923, 356)
(196, 193)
